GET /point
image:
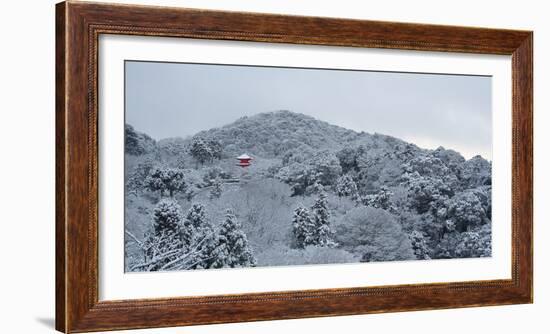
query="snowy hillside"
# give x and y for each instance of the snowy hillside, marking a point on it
(314, 193)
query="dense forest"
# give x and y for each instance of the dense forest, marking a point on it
(315, 193)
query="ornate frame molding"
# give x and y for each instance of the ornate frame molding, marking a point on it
(78, 27)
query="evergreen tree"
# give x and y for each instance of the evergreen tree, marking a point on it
(136, 180)
(232, 248)
(380, 200)
(324, 236)
(475, 243)
(158, 250)
(321, 221)
(136, 143)
(217, 189)
(345, 186)
(303, 228)
(194, 223)
(165, 179)
(206, 242)
(419, 246)
(198, 235)
(200, 150)
(166, 216)
(180, 162)
(466, 210)
(215, 147)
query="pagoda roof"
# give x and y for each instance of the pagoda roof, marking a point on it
(244, 156)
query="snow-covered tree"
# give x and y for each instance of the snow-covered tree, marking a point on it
(351, 158)
(199, 236)
(327, 168)
(397, 201)
(426, 165)
(200, 150)
(466, 211)
(475, 172)
(345, 186)
(217, 189)
(210, 174)
(375, 234)
(166, 216)
(168, 251)
(303, 228)
(158, 251)
(380, 200)
(206, 241)
(215, 147)
(321, 221)
(136, 180)
(420, 249)
(180, 162)
(322, 168)
(423, 190)
(299, 176)
(232, 249)
(205, 150)
(165, 179)
(452, 159)
(475, 243)
(194, 223)
(137, 143)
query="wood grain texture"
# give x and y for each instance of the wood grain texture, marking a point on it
(78, 26)
(60, 180)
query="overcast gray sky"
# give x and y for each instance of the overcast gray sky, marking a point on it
(174, 99)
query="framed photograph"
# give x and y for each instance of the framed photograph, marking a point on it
(223, 167)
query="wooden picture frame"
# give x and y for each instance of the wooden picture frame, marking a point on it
(78, 26)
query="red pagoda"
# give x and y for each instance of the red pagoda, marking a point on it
(244, 160)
